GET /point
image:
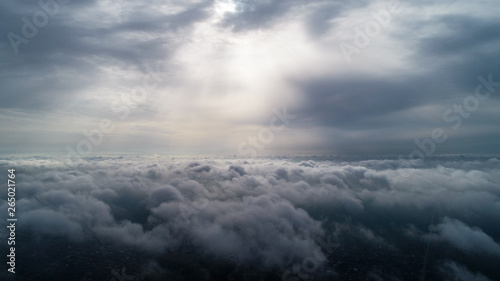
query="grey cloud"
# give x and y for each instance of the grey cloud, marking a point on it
(252, 14)
(45, 221)
(255, 14)
(66, 54)
(318, 20)
(462, 34)
(266, 211)
(466, 238)
(84, 48)
(164, 194)
(127, 233)
(264, 228)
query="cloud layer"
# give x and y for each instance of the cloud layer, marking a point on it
(271, 212)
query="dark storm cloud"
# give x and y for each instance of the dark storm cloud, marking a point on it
(443, 70)
(384, 113)
(358, 102)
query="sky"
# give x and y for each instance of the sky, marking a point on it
(249, 77)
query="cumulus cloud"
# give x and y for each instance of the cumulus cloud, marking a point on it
(466, 238)
(268, 211)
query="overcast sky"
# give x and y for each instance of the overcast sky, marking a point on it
(176, 76)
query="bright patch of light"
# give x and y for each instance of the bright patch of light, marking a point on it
(224, 6)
